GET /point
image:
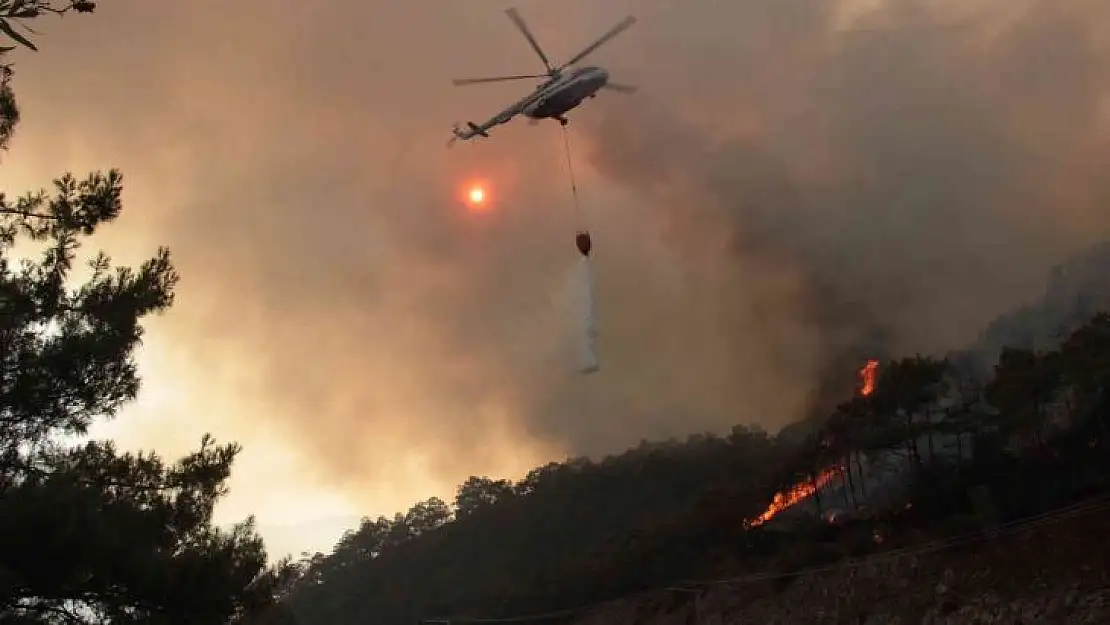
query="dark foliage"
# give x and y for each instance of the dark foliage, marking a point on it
(92, 535)
(926, 451)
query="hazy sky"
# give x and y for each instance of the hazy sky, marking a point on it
(798, 184)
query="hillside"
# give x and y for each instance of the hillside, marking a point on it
(1047, 570)
(919, 451)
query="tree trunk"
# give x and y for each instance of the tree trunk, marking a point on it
(929, 433)
(849, 483)
(862, 478)
(816, 493)
(846, 489)
(1096, 407)
(1041, 427)
(911, 442)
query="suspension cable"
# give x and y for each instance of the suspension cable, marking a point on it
(573, 181)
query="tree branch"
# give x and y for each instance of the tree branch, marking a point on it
(27, 214)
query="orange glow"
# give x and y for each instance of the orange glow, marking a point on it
(475, 194)
(795, 495)
(867, 376)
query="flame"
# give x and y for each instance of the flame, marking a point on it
(867, 375)
(795, 495)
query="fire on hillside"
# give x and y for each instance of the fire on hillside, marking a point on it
(796, 494)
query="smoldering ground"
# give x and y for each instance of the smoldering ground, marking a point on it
(795, 185)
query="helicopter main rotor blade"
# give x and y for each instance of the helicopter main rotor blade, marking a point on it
(514, 15)
(619, 88)
(472, 81)
(613, 32)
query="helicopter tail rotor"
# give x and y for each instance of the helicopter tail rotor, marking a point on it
(456, 134)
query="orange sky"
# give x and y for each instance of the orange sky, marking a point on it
(778, 193)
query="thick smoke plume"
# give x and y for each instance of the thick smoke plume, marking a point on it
(913, 169)
(798, 185)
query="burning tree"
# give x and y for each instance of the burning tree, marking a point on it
(868, 375)
(889, 413)
(794, 495)
(836, 439)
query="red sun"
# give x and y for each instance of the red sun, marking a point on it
(476, 196)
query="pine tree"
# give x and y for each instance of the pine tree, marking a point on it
(90, 534)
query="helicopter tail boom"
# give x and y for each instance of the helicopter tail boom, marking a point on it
(473, 130)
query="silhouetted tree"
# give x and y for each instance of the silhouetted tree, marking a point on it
(905, 389)
(477, 493)
(1085, 357)
(93, 535)
(1024, 383)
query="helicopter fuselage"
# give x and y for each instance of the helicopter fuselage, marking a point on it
(562, 90)
(555, 97)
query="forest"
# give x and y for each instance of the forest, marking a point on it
(921, 446)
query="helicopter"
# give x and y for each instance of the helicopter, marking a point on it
(561, 90)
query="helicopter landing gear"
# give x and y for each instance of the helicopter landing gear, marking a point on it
(563, 121)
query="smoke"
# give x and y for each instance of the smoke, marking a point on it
(916, 171)
(797, 186)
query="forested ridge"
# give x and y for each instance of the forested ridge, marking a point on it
(926, 447)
